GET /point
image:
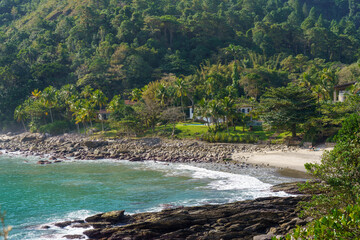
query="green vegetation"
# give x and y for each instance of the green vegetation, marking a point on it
(65, 60)
(287, 107)
(337, 208)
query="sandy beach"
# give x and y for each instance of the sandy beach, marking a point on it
(288, 160)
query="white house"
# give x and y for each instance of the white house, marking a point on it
(242, 109)
(340, 91)
(205, 119)
(245, 109)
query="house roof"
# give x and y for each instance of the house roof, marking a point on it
(344, 86)
(103, 111)
(129, 102)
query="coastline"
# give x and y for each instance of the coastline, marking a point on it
(288, 160)
(285, 160)
(68, 147)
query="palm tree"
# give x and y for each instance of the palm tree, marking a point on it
(328, 81)
(36, 94)
(202, 110)
(162, 94)
(99, 99)
(115, 103)
(136, 94)
(49, 98)
(234, 50)
(20, 115)
(215, 111)
(181, 90)
(87, 91)
(228, 107)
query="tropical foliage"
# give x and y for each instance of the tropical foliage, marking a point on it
(337, 208)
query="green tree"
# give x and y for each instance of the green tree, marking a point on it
(336, 208)
(286, 107)
(181, 91)
(228, 107)
(99, 99)
(20, 115)
(49, 98)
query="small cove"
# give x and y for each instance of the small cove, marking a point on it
(35, 195)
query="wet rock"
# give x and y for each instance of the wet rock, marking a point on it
(100, 224)
(63, 224)
(264, 237)
(68, 223)
(253, 219)
(135, 159)
(74, 236)
(43, 162)
(28, 137)
(114, 216)
(81, 225)
(95, 144)
(94, 218)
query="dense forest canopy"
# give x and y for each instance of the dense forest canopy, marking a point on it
(117, 46)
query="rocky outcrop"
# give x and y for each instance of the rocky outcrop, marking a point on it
(253, 219)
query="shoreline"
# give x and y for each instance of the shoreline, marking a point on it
(67, 147)
(285, 160)
(289, 161)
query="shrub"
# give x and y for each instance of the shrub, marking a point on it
(337, 208)
(56, 128)
(217, 137)
(338, 224)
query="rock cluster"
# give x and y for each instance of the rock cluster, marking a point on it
(80, 147)
(258, 219)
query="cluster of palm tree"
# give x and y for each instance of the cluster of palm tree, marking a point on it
(217, 112)
(67, 103)
(321, 83)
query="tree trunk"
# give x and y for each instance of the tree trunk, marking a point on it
(22, 121)
(173, 130)
(293, 130)
(181, 102)
(85, 129)
(102, 121)
(51, 116)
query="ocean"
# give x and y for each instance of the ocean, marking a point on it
(36, 195)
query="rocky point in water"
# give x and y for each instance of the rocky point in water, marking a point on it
(258, 219)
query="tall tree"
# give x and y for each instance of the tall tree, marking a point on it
(286, 107)
(99, 99)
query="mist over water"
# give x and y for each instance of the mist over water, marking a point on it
(36, 195)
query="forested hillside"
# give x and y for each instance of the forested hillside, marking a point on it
(119, 45)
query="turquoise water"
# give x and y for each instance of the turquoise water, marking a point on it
(36, 195)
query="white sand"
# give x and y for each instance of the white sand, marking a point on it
(294, 160)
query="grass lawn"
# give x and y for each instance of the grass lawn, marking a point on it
(193, 130)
